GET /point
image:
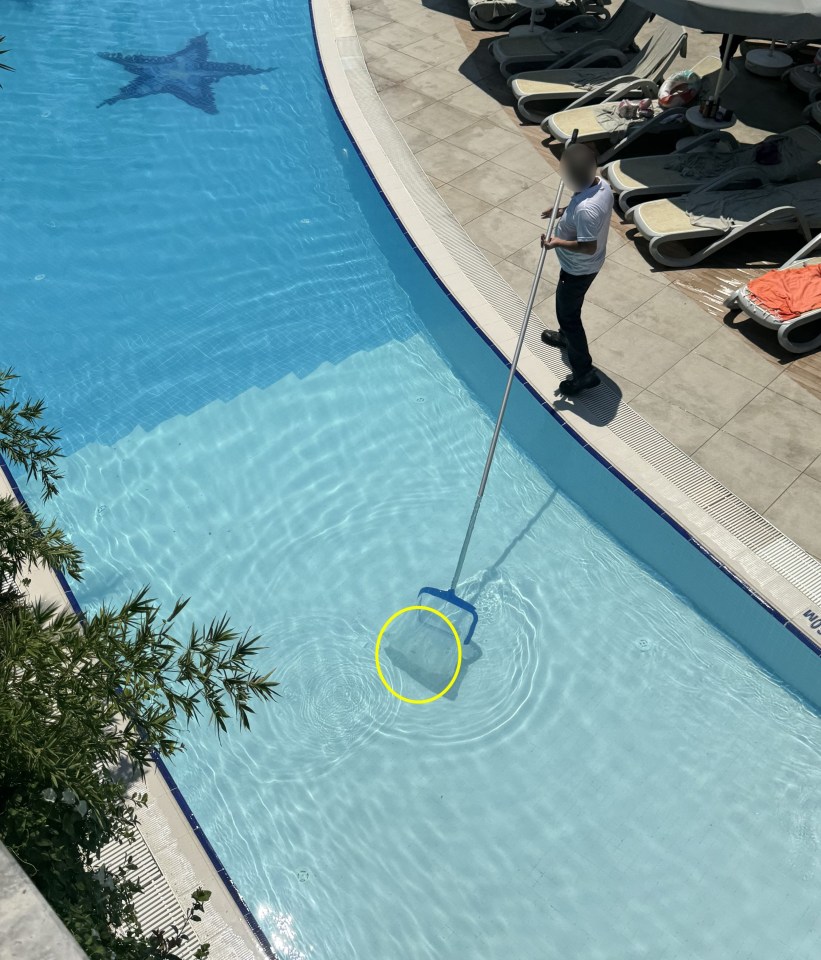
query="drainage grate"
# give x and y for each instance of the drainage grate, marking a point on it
(156, 906)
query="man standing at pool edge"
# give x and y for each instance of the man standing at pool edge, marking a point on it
(580, 242)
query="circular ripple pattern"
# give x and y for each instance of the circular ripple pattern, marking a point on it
(501, 680)
(332, 702)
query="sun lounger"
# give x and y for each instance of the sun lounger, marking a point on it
(502, 14)
(636, 179)
(563, 47)
(715, 216)
(538, 93)
(805, 78)
(601, 122)
(786, 330)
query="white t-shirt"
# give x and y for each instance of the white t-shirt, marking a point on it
(586, 218)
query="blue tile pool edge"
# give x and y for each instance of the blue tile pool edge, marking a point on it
(808, 641)
(164, 772)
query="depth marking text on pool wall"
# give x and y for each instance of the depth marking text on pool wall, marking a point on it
(815, 620)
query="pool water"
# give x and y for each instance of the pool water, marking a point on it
(268, 405)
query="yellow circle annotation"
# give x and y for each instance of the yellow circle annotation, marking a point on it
(452, 680)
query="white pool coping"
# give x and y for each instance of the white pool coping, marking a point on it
(773, 567)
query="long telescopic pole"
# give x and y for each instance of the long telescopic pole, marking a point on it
(513, 364)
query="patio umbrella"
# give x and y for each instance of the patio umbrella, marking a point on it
(784, 19)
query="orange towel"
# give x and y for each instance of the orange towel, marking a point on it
(787, 294)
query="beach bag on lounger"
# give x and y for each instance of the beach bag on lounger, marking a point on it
(680, 90)
(787, 294)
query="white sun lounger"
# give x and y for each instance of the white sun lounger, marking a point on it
(502, 14)
(601, 122)
(716, 216)
(563, 47)
(538, 93)
(805, 78)
(743, 300)
(636, 179)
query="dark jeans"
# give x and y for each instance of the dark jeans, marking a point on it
(569, 299)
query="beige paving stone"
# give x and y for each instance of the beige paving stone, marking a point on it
(463, 206)
(446, 162)
(492, 183)
(440, 120)
(525, 159)
(687, 431)
(705, 389)
(780, 427)
(637, 353)
(400, 101)
(503, 116)
(673, 315)
(796, 513)
(475, 101)
(438, 82)
(381, 83)
(397, 66)
(626, 388)
(415, 138)
(814, 469)
(395, 9)
(621, 291)
(752, 475)
(361, 4)
(492, 258)
(433, 50)
(787, 387)
(522, 280)
(627, 254)
(615, 241)
(485, 138)
(372, 50)
(366, 21)
(432, 25)
(395, 35)
(408, 11)
(733, 352)
(499, 231)
(530, 203)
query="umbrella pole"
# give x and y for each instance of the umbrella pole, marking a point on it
(725, 63)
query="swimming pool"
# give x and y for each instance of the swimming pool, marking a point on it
(269, 405)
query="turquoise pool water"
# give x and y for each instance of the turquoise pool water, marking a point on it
(269, 405)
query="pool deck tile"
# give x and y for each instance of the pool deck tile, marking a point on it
(484, 138)
(500, 231)
(486, 183)
(637, 353)
(687, 431)
(796, 510)
(671, 314)
(440, 120)
(705, 389)
(780, 427)
(757, 478)
(447, 162)
(464, 206)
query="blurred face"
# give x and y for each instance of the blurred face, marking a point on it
(578, 169)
